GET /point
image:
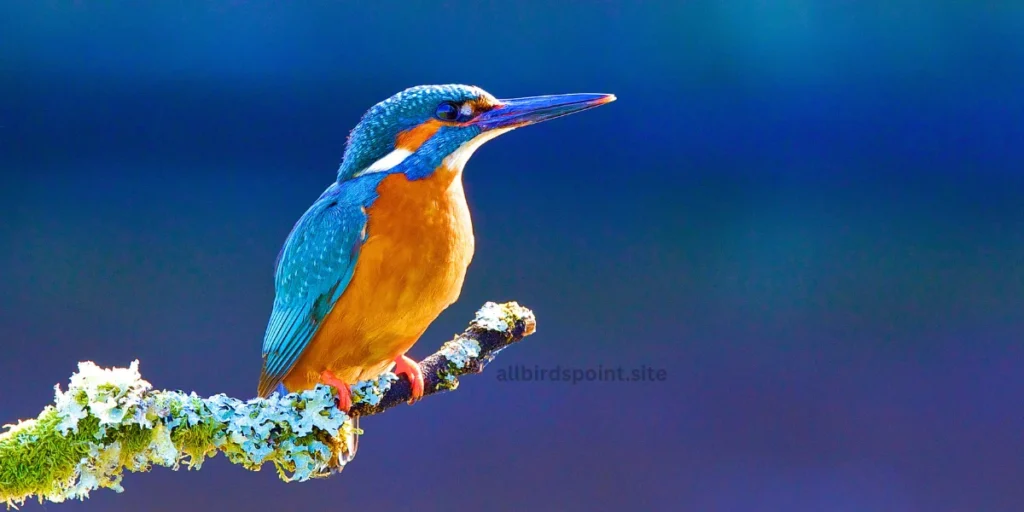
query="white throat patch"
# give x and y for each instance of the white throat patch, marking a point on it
(457, 160)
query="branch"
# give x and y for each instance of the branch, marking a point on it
(110, 420)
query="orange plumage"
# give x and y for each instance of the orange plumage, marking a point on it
(385, 249)
(410, 268)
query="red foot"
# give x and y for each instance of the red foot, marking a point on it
(344, 393)
(412, 370)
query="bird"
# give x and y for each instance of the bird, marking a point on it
(385, 248)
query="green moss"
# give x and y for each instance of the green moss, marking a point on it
(133, 439)
(197, 442)
(447, 378)
(237, 455)
(35, 459)
(284, 467)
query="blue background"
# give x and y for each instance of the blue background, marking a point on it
(809, 213)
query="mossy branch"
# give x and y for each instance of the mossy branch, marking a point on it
(110, 420)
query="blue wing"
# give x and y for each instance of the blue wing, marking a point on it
(313, 269)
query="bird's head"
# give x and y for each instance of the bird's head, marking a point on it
(423, 128)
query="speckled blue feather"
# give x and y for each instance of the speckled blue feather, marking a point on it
(313, 269)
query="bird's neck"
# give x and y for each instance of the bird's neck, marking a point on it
(421, 164)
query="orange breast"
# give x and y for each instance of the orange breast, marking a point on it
(411, 267)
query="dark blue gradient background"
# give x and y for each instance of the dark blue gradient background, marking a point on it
(809, 213)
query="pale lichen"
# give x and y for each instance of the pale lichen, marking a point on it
(371, 391)
(109, 420)
(493, 316)
(459, 353)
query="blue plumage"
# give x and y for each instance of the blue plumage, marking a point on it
(414, 133)
(375, 134)
(313, 269)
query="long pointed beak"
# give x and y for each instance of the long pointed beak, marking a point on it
(523, 111)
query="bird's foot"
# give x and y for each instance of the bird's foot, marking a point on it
(344, 392)
(403, 364)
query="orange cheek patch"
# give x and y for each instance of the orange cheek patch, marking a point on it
(413, 138)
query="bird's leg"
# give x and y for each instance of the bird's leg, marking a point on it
(344, 392)
(403, 364)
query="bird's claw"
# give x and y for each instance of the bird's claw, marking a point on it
(403, 364)
(344, 392)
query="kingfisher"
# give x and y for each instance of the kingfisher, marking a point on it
(384, 250)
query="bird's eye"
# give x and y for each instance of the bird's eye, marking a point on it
(447, 111)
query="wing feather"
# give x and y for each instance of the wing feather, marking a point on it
(313, 270)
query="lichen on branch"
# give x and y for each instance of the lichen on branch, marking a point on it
(111, 420)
